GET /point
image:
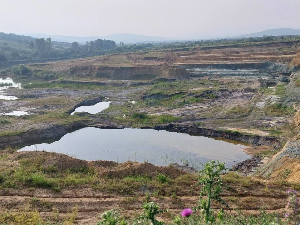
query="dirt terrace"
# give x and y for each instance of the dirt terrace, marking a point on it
(93, 198)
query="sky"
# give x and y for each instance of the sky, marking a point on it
(165, 18)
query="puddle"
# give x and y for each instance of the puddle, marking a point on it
(16, 113)
(93, 109)
(157, 147)
(223, 72)
(4, 85)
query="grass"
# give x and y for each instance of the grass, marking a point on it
(138, 119)
(179, 93)
(297, 82)
(280, 89)
(266, 91)
(36, 172)
(239, 111)
(4, 122)
(234, 178)
(33, 174)
(74, 86)
(278, 109)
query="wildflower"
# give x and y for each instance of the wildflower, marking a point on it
(186, 212)
(291, 192)
(286, 215)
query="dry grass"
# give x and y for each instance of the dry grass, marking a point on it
(296, 61)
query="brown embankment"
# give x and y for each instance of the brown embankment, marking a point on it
(236, 136)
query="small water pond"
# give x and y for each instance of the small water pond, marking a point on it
(4, 85)
(93, 109)
(157, 147)
(16, 113)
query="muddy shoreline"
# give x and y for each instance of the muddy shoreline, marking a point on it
(236, 136)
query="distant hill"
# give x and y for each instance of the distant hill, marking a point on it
(272, 32)
(125, 38)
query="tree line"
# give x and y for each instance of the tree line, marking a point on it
(15, 48)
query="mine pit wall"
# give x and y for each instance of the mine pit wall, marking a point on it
(128, 73)
(250, 139)
(230, 66)
(263, 68)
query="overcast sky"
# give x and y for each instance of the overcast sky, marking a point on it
(168, 18)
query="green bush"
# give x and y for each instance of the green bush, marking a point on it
(21, 70)
(278, 109)
(39, 180)
(111, 217)
(162, 178)
(140, 116)
(167, 118)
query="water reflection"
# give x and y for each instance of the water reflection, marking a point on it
(157, 147)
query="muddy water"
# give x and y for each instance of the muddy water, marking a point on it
(93, 109)
(4, 85)
(157, 147)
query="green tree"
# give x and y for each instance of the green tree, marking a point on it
(3, 58)
(48, 46)
(31, 45)
(75, 46)
(40, 45)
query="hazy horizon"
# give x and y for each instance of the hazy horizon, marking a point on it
(164, 18)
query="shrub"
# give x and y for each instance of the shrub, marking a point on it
(111, 217)
(20, 70)
(151, 210)
(210, 179)
(140, 116)
(167, 118)
(278, 109)
(162, 178)
(39, 180)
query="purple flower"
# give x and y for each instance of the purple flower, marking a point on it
(287, 215)
(291, 191)
(186, 212)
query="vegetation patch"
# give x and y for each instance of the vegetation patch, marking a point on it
(279, 109)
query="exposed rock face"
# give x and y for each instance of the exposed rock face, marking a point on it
(297, 123)
(248, 165)
(128, 73)
(292, 95)
(285, 164)
(235, 66)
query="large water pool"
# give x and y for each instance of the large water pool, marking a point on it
(157, 147)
